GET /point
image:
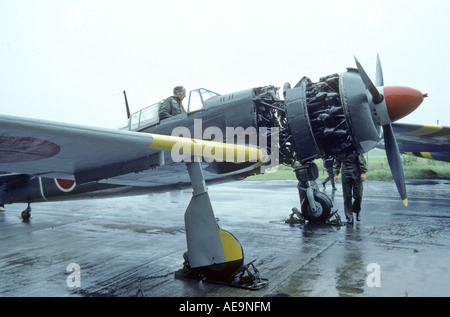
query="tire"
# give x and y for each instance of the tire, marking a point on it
(322, 213)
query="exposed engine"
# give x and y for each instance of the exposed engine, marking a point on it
(311, 121)
(340, 114)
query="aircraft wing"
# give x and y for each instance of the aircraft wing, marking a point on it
(428, 141)
(82, 153)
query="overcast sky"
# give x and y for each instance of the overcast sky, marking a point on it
(70, 60)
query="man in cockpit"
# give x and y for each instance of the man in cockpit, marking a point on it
(173, 105)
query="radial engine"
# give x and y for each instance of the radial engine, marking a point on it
(341, 114)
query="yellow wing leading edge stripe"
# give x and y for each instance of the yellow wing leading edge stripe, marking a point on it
(426, 129)
(221, 152)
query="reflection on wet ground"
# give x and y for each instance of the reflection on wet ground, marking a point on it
(132, 246)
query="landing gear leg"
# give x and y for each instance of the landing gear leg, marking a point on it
(315, 205)
(26, 214)
(213, 255)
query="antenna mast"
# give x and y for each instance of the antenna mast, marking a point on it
(126, 104)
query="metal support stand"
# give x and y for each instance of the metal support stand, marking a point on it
(202, 234)
(213, 255)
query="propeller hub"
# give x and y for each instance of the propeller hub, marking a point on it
(401, 101)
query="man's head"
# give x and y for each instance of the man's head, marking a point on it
(179, 92)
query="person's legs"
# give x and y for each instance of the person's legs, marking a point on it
(347, 184)
(357, 196)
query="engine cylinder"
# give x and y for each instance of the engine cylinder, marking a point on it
(331, 117)
(316, 119)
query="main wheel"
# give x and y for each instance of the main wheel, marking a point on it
(323, 208)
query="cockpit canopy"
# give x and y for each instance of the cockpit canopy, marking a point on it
(149, 116)
(198, 97)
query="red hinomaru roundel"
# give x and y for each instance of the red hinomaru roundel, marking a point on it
(65, 185)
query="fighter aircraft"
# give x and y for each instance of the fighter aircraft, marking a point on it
(426, 141)
(222, 138)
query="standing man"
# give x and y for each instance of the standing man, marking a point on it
(354, 169)
(328, 164)
(173, 105)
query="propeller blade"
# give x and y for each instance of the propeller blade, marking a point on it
(376, 96)
(379, 81)
(395, 162)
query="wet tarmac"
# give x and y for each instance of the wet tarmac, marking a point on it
(132, 246)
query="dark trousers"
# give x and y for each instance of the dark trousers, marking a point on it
(352, 189)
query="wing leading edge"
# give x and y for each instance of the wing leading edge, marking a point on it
(428, 141)
(82, 153)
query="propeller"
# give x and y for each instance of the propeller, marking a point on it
(376, 96)
(379, 81)
(391, 146)
(395, 161)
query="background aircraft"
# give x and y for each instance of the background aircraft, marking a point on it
(427, 141)
(338, 115)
